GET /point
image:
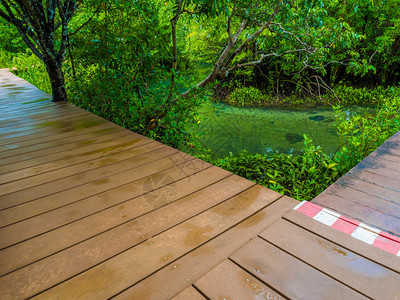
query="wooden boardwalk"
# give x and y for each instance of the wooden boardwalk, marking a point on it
(370, 192)
(89, 210)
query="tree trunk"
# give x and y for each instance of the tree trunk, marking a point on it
(56, 76)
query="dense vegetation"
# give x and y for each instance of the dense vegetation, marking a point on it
(146, 65)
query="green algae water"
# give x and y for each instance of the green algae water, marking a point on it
(224, 128)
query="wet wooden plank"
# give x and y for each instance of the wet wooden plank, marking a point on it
(189, 294)
(95, 187)
(110, 142)
(289, 276)
(371, 188)
(386, 178)
(38, 186)
(56, 125)
(377, 255)
(33, 119)
(134, 211)
(137, 263)
(94, 200)
(345, 266)
(361, 212)
(228, 281)
(43, 125)
(134, 263)
(198, 262)
(54, 153)
(24, 136)
(36, 108)
(54, 138)
(54, 145)
(370, 191)
(364, 198)
(72, 157)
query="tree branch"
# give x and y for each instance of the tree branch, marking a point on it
(228, 27)
(256, 34)
(87, 22)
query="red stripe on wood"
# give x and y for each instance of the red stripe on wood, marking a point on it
(387, 244)
(309, 209)
(345, 225)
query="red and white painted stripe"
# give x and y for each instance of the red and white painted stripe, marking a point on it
(358, 230)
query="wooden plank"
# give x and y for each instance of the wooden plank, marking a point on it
(75, 124)
(388, 207)
(43, 113)
(228, 281)
(54, 153)
(94, 200)
(43, 125)
(390, 146)
(32, 118)
(138, 261)
(384, 177)
(75, 157)
(24, 136)
(377, 255)
(47, 121)
(135, 264)
(334, 260)
(195, 264)
(32, 108)
(23, 187)
(39, 186)
(86, 189)
(38, 140)
(134, 211)
(52, 128)
(289, 276)
(113, 141)
(375, 161)
(89, 134)
(370, 188)
(189, 294)
(363, 213)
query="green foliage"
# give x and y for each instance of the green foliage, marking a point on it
(116, 99)
(10, 44)
(300, 176)
(361, 135)
(347, 95)
(246, 96)
(343, 95)
(32, 69)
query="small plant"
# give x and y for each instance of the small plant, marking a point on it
(246, 96)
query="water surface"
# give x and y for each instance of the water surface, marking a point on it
(224, 128)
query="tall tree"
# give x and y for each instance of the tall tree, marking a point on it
(43, 25)
(295, 35)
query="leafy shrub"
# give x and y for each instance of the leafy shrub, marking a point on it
(300, 176)
(361, 135)
(115, 97)
(348, 95)
(5, 58)
(246, 96)
(31, 68)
